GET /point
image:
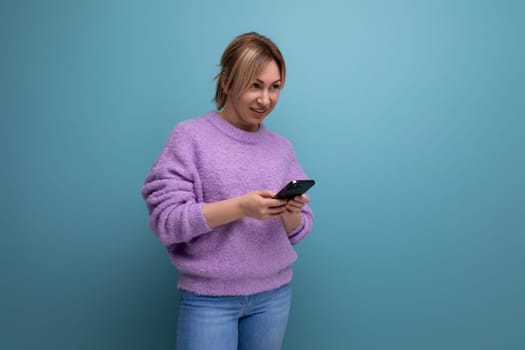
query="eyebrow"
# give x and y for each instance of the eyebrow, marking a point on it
(262, 82)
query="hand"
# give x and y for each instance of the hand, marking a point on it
(294, 205)
(291, 217)
(261, 205)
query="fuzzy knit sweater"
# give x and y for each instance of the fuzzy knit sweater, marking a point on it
(208, 159)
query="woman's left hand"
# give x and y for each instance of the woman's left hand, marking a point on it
(297, 203)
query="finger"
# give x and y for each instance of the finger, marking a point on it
(294, 207)
(266, 193)
(302, 198)
(275, 214)
(296, 204)
(277, 209)
(276, 202)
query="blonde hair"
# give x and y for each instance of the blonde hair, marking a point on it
(241, 62)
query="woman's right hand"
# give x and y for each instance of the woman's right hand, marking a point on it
(258, 205)
(261, 205)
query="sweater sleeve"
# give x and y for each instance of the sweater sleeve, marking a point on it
(307, 217)
(171, 190)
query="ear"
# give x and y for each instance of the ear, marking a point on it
(224, 85)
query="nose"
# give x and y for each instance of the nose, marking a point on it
(264, 98)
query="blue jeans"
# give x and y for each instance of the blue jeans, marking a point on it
(252, 322)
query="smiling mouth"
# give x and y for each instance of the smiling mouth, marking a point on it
(261, 110)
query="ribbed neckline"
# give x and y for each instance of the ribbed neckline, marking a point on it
(233, 131)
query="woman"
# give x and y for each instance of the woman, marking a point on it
(210, 198)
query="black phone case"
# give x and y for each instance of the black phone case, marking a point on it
(294, 188)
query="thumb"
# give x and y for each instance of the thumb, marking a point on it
(266, 193)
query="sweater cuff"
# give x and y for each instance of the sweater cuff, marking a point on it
(292, 236)
(197, 222)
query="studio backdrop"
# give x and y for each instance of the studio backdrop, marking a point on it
(408, 114)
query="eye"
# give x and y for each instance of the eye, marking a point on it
(276, 86)
(255, 86)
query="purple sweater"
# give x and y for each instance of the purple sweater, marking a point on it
(206, 160)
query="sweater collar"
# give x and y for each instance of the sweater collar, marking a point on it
(234, 132)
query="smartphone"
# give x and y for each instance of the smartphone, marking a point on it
(294, 188)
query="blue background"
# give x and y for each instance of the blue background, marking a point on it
(409, 114)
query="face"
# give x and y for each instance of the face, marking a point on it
(248, 108)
